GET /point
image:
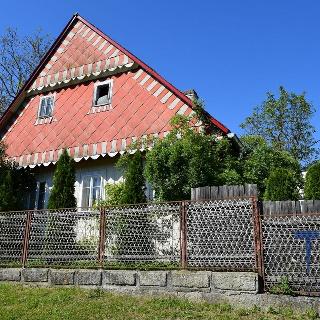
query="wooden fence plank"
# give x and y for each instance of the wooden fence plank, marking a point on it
(214, 191)
(224, 192)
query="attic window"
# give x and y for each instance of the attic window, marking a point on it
(102, 93)
(46, 107)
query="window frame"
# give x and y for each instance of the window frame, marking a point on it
(96, 86)
(53, 96)
(91, 189)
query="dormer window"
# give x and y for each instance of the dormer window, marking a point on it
(102, 93)
(46, 107)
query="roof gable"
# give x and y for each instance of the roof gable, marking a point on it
(143, 102)
(81, 53)
(84, 25)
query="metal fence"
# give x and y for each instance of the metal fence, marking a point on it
(200, 234)
(12, 236)
(291, 251)
(227, 235)
(63, 237)
(220, 234)
(142, 233)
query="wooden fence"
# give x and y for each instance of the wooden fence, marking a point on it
(290, 207)
(224, 192)
(250, 190)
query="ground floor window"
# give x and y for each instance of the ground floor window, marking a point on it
(91, 190)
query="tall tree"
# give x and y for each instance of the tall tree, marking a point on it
(259, 159)
(284, 122)
(62, 193)
(19, 56)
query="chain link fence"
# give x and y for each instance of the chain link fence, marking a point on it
(12, 228)
(64, 237)
(143, 233)
(202, 234)
(291, 253)
(220, 234)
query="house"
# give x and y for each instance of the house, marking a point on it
(93, 97)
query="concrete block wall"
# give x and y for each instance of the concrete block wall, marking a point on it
(237, 288)
(138, 281)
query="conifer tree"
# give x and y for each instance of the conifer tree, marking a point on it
(137, 224)
(281, 185)
(312, 183)
(60, 233)
(16, 184)
(62, 193)
(134, 184)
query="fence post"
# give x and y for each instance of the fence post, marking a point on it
(183, 228)
(26, 238)
(258, 240)
(102, 236)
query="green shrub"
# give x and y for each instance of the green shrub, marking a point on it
(312, 183)
(16, 185)
(260, 159)
(187, 159)
(282, 288)
(281, 185)
(114, 195)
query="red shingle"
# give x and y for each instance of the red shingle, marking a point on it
(135, 110)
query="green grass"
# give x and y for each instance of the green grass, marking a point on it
(156, 265)
(26, 303)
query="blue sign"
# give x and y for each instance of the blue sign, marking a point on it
(307, 235)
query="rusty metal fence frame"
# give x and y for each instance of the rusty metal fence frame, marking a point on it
(183, 234)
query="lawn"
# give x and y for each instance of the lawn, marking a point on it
(19, 302)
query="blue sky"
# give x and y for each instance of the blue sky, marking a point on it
(230, 52)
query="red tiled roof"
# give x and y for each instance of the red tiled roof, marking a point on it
(142, 101)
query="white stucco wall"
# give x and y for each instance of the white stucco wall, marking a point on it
(104, 168)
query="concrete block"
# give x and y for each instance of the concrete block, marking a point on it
(35, 275)
(153, 278)
(88, 277)
(10, 274)
(120, 277)
(189, 279)
(236, 281)
(62, 277)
